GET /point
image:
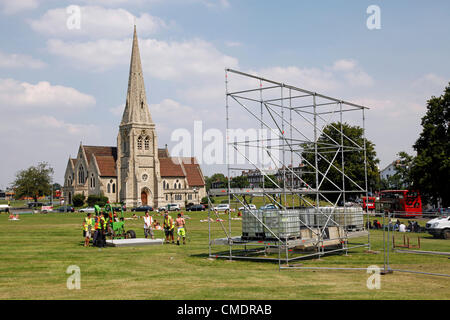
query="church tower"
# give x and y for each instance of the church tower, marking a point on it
(138, 169)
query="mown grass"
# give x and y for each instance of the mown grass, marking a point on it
(37, 250)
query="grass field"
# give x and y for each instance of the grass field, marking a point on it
(37, 250)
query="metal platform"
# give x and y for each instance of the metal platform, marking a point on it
(133, 242)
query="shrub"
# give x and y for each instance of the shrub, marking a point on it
(205, 200)
(78, 200)
(95, 199)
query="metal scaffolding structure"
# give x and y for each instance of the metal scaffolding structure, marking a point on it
(291, 124)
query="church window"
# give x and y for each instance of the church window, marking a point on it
(92, 181)
(81, 175)
(139, 143)
(167, 197)
(175, 186)
(179, 186)
(108, 188)
(114, 188)
(189, 196)
(147, 143)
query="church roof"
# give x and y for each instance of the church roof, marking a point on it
(106, 165)
(163, 153)
(182, 167)
(193, 173)
(171, 167)
(73, 161)
(100, 151)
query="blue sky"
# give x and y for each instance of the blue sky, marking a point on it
(59, 86)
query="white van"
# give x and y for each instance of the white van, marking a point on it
(439, 227)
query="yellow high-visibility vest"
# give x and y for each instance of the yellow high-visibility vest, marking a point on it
(87, 223)
(167, 222)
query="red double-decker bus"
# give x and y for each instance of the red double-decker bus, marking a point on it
(403, 203)
(369, 203)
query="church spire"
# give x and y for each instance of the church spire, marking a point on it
(136, 108)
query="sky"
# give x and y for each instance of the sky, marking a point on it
(61, 85)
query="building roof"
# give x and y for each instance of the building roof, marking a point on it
(194, 174)
(99, 151)
(163, 153)
(171, 167)
(182, 167)
(106, 165)
(187, 167)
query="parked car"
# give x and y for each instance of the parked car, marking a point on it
(196, 207)
(269, 207)
(35, 205)
(222, 207)
(250, 206)
(173, 207)
(161, 209)
(142, 208)
(87, 210)
(66, 209)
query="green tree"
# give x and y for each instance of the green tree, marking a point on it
(33, 182)
(402, 178)
(217, 177)
(78, 200)
(239, 182)
(268, 181)
(94, 199)
(353, 160)
(431, 168)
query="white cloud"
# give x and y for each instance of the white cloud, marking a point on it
(431, 84)
(195, 59)
(51, 123)
(42, 95)
(117, 111)
(15, 6)
(30, 139)
(352, 73)
(344, 65)
(19, 61)
(96, 22)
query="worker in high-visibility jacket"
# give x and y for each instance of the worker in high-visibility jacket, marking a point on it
(87, 227)
(168, 227)
(97, 209)
(97, 230)
(101, 238)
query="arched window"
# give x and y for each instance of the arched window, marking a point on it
(108, 189)
(139, 143)
(179, 186)
(147, 143)
(164, 184)
(175, 186)
(114, 188)
(81, 179)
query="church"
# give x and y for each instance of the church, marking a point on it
(136, 172)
